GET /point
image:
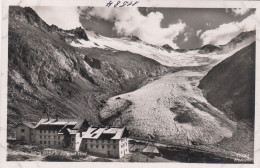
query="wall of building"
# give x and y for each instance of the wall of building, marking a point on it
(23, 133)
(107, 148)
(48, 137)
(123, 147)
(73, 142)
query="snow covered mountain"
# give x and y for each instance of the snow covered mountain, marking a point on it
(120, 81)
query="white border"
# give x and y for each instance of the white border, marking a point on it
(142, 3)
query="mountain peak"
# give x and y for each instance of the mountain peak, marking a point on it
(79, 32)
(167, 47)
(209, 48)
(134, 38)
(28, 15)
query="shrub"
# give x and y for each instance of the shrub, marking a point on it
(37, 148)
(11, 157)
(101, 160)
(77, 157)
(57, 158)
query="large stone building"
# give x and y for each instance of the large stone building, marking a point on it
(76, 134)
(59, 132)
(106, 141)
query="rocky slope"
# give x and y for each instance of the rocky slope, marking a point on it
(230, 85)
(48, 75)
(208, 49)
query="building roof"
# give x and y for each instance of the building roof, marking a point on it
(96, 132)
(76, 123)
(29, 124)
(137, 147)
(150, 149)
(70, 126)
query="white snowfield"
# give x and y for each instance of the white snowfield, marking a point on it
(159, 54)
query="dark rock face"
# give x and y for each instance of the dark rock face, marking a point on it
(208, 49)
(47, 75)
(230, 86)
(167, 47)
(134, 38)
(79, 33)
(241, 37)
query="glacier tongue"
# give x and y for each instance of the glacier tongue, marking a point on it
(173, 108)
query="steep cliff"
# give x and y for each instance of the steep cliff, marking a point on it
(230, 85)
(48, 75)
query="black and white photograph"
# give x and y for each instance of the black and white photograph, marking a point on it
(124, 83)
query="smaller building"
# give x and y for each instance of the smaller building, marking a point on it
(151, 149)
(106, 141)
(25, 132)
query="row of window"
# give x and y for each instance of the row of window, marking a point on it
(122, 151)
(48, 131)
(108, 141)
(49, 137)
(102, 146)
(125, 144)
(49, 142)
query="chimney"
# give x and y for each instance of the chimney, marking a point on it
(57, 117)
(48, 117)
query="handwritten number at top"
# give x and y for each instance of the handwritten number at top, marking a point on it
(121, 4)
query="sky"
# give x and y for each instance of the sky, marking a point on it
(178, 27)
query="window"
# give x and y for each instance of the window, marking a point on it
(44, 131)
(49, 131)
(49, 142)
(54, 137)
(40, 142)
(40, 131)
(44, 142)
(44, 136)
(86, 146)
(108, 146)
(22, 130)
(114, 146)
(103, 146)
(40, 137)
(114, 141)
(22, 138)
(96, 146)
(108, 141)
(54, 142)
(72, 139)
(97, 140)
(91, 140)
(59, 143)
(58, 137)
(102, 140)
(49, 137)
(91, 146)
